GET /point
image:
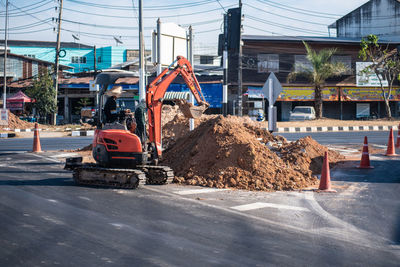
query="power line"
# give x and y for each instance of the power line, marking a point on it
(283, 25)
(221, 6)
(21, 14)
(295, 11)
(29, 7)
(282, 16)
(305, 10)
(163, 7)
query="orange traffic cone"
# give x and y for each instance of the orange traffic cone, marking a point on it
(36, 140)
(390, 147)
(365, 164)
(398, 137)
(325, 181)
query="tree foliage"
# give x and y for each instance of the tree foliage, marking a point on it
(322, 69)
(385, 64)
(43, 92)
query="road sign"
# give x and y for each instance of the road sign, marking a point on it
(3, 117)
(275, 86)
(93, 87)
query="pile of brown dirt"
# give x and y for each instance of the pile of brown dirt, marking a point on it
(232, 152)
(306, 153)
(16, 123)
(169, 113)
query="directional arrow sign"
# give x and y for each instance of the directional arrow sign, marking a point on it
(276, 88)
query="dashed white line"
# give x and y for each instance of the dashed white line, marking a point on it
(260, 205)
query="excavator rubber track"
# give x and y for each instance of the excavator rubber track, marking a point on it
(93, 175)
(157, 175)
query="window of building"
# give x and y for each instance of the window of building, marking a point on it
(29, 55)
(346, 60)
(206, 60)
(76, 59)
(267, 63)
(301, 63)
(99, 59)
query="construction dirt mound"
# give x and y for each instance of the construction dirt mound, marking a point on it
(233, 152)
(16, 123)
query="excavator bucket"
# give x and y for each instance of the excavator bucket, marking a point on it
(190, 111)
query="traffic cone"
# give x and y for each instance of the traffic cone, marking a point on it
(325, 181)
(36, 140)
(390, 147)
(365, 164)
(398, 137)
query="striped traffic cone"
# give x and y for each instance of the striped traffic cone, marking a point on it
(325, 181)
(36, 140)
(365, 164)
(390, 147)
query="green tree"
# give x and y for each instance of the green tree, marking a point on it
(385, 64)
(322, 69)
(44, 93)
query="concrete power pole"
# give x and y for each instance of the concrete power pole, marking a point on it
(240, 104)
(142, 89)
(191, 60)
(56, 61)
(5, 59)
(225, 67)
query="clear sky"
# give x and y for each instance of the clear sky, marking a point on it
(95, 22)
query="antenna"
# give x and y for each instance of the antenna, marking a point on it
(75, 37)
(118, 40)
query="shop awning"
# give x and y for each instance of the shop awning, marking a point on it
(19, 97)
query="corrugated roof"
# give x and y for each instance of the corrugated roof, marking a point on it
(310, 39)
(35, 43)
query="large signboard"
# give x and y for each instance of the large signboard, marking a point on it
(173, 43)
(307, 94)
(367, 94)
(367, 77)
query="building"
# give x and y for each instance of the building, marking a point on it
(378, 17)
(78, 56)
(281, 55)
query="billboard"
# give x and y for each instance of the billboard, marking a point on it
(367, 77)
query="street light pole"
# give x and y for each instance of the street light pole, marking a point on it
(142, 91)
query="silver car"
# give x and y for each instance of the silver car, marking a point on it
(301, 113)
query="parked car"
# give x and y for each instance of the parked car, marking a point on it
(301, 113)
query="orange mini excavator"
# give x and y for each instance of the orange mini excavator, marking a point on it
(124, 159)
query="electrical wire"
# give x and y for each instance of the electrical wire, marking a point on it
(24, 14)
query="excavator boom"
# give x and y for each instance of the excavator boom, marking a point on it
(157, 89)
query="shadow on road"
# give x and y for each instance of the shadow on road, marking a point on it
(43, 182)
(384, 171)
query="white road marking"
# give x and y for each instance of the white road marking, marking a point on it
(52, 200)
(45, 157)
(85, 198)
(65, 155)
(198, 191)
(260, 205)
(53, 220)
(117, 225)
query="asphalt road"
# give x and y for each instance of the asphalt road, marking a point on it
(54, 143)
(46, 220)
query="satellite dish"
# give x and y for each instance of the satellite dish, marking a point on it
(117, 40)
(75, 37)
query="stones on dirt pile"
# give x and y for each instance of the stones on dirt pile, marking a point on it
(16, 123)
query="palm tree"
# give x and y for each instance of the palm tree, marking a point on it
(322, 69)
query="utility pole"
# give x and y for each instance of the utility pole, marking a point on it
(142, 91)
(56, 62)
(94, 61)
(5, 59)
(240, 104)
(159, 67)
(191, 60)
(225, 67)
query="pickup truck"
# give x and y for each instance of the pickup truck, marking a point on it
(301, 113)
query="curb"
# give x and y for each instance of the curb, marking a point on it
(334, 129)
(82, 133)
(7, 135)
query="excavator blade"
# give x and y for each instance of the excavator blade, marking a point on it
(190, 111)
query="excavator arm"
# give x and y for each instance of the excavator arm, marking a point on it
(155, 95)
